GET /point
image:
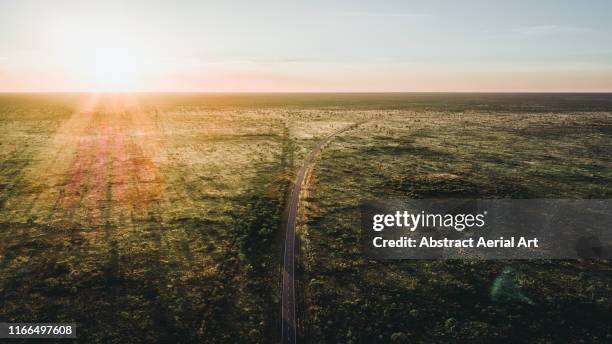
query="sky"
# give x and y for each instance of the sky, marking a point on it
(310, 46)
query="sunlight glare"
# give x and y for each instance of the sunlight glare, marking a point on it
(103, 59)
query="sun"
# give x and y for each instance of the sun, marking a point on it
(109, 67)
(102, 59)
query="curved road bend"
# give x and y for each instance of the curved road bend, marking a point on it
(289, 333)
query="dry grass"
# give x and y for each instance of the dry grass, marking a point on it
(157, 218)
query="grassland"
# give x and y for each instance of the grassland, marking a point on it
(470, 154)
(157, 218)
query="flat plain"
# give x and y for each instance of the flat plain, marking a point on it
(158, 217)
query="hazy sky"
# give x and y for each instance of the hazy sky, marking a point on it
(65, 45)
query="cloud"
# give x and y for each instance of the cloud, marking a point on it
(547, 30)
(381, 15)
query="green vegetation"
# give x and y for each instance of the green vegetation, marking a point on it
(472, 154)
(158, 218)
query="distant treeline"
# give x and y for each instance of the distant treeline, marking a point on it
(518, 102)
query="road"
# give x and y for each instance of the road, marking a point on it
(289, 333)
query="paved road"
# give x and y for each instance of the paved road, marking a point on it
(289, 335)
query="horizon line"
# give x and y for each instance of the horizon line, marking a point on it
(308, 92)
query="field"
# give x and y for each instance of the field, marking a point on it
(159, 218)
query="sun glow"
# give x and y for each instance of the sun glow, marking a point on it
(101, 58)
(110, 68)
